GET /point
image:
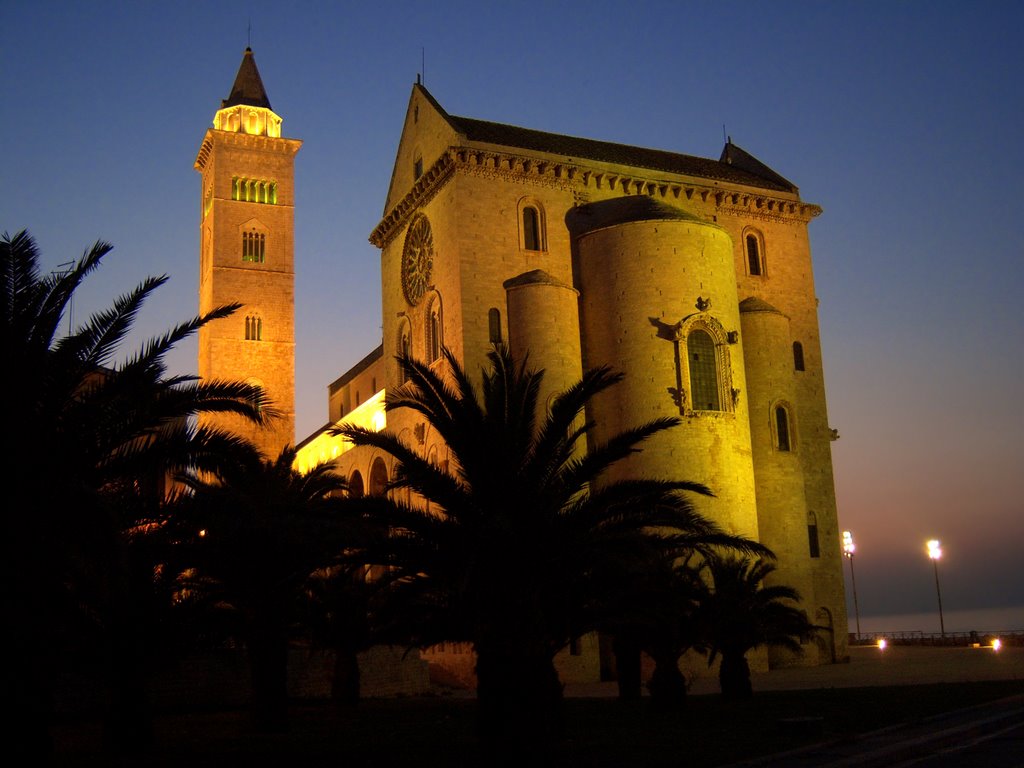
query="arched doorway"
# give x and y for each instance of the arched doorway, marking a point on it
(378, 477)
(826, 636)
(355, 485)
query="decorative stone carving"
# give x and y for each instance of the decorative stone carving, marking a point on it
(417, 259)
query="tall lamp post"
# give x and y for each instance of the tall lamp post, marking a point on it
(935, 552)
(848, 549)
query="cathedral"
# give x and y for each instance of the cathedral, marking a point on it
(692, 276)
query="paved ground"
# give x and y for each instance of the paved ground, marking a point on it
(869, 666)
(987, 736)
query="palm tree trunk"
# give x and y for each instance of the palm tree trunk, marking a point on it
(346, 680)
(520, 703)
(268, 669)
(128, 728)
(667, 684)
(627, 667)
(734, 677)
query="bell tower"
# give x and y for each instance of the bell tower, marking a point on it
(246, 255)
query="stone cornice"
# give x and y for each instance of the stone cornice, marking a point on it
(424, 189)
(519, 168)
(245, 141)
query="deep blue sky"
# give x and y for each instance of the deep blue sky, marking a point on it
(903, 120)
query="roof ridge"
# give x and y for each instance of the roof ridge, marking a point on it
(750, 172)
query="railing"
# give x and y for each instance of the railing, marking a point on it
(952, 639)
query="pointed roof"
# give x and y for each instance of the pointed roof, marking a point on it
(248, 88)
(739, 158)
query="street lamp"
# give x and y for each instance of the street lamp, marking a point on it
(935, 552)
(848, 549)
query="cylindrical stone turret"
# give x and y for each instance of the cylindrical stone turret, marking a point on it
(659, 301)
(543, 329)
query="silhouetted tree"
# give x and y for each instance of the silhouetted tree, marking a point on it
(88, 438)
(517, 523)
(337, 607)
(254, 532)
(740, 613)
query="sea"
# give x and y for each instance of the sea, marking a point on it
(986, 620)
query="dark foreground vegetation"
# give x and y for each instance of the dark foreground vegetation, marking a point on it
(440, 731)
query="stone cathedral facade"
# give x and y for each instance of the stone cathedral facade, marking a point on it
(692, 276)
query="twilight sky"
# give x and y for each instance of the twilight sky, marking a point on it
(902, 120)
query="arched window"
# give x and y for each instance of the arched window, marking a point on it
(355, 485)
(703, 367)
(531, 229)
(494, 325)
(404, 348)
(435, 330)
(812, 535)
(782, 441)
(378, 477)
(253, 328)
(798, 356)
(755, 259)
(532, 233)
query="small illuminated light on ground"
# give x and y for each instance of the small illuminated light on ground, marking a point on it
(997, 644)
(882, 643)
(202, 532)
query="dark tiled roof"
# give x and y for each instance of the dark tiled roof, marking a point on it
(758, 175)
(248, 88)
(356, 369)
(755, 304)
(533, 277)
(622, 210)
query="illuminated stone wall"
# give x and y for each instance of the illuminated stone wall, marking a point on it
(266, 289)
(625, 287)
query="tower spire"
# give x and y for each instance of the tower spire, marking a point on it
(248, 88)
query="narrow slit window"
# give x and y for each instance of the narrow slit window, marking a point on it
(782, 428)
(494, 325)
(434, 334)
(531, 229)
(798, 356)
(753, 255)
(406, 351)
(813, 545)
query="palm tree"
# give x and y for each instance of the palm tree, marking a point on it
(85, 432)
(741, 613)
(506, 551)
(337, 616)
(254, 533)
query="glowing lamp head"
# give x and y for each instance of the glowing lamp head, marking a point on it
(997, 644)
(848, 546)
(934, 549)
(882, 643)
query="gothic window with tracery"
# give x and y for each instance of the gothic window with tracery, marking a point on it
(254, 247)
